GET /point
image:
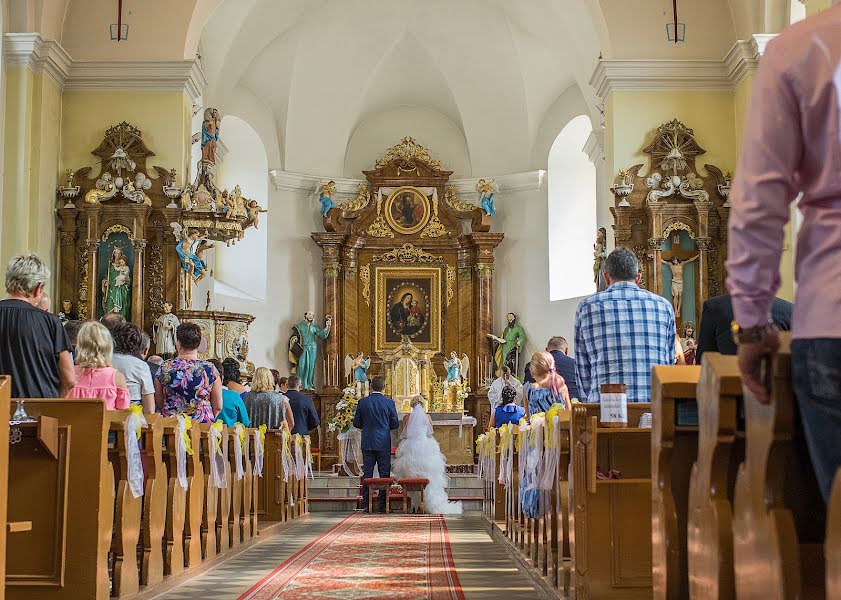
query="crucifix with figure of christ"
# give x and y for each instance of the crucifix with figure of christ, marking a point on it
(676, 258)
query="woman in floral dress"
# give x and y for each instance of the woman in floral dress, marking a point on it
(186, 384)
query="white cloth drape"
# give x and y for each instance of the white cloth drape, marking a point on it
(238, 430)
(218, 476)
(259, 452)
(181, 452)
(134, 423)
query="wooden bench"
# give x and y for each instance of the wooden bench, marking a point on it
(69, 498)
(779, 518)
(720, 451)
(154, 502)
(610, 537)
(832, 544)
(273, 492)
(176, 503)
(211, 493)
(674, 449)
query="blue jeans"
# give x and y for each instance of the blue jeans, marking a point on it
(816, 376)
(381, 458)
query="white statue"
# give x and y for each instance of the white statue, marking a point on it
(164, 332)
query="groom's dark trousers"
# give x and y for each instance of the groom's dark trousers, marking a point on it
(376, 416)
(383, 461)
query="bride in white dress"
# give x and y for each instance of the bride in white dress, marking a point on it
(419, 456)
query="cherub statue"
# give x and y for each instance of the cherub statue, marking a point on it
(486, 189)
(457, 369)
(237, 206)
(357, 372)
(326, 191)
(209, 135)
(254, 211)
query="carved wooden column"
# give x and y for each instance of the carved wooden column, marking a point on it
(654, 245)
(331, 246)
(88, 293)
(350, 316)
(68, 236)
(138, 291)
(704, 244)
(485, 243)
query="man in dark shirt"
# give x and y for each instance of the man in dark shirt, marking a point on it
(715, 335)
(558, 347)
(376, 416)
(34, 349)
(303, 409)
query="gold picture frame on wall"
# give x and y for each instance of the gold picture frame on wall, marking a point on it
(408, 302)
(407, 210)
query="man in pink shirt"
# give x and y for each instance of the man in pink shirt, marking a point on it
(792, 145)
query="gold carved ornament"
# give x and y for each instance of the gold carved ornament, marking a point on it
(407, 253)
(116, 229)
(677, 226)
(156, 279)
(379, 228)
(451, 282)
(485, 271)
(365, 278)
(435, 228)
(406, 154)
(452, 199)
(361, 201)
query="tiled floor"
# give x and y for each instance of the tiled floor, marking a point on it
(484, 567)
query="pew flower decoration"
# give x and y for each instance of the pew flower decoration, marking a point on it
(345, 409)
(134, 423)
(183, 447)
(239, 432)
(462, 391)
(218, 475)
(259, 450)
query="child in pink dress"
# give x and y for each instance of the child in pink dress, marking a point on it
(95, 377)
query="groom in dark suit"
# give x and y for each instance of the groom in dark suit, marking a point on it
(376, 416)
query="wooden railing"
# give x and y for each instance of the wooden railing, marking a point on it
(91, 538)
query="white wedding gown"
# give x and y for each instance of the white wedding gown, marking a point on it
(419, 456)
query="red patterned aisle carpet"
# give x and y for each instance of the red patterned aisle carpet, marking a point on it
(369, 556)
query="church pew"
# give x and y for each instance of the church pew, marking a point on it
(610, 532)
(5, 402)
(674, 448)
(234, 530)
(247, 488)
(255, 485)
(154, 502)
(211, 496)
(223, 508)
(720, 451)
(194, 501)
(127, 513)
(272, 495)
(65, 554)
(176, 503)
(779, 517)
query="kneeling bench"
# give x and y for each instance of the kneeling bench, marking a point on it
(381, 485)
(413, 485)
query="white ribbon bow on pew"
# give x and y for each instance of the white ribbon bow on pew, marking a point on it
(239, 433)
(134, 423)
(182, 448)
(218, 476)
(259, 450)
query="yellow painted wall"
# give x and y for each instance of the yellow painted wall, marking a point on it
(162, 117)
(814, 6)
(31, 146)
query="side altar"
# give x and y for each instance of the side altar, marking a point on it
(407, 271)
(136, 242)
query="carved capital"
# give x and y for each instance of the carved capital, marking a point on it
(68, 238)
(331, 269)
(485, 271)
(465, 273)
(139, 245)
(350, 273)
(704, 243)
(655, 242)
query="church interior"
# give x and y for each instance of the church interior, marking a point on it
(408, 199)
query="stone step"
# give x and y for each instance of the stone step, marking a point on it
(349, 504)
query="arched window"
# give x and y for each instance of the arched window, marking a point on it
(572, 213)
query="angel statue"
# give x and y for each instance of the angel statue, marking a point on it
(209, 135)
(356, 370)
(486, 189)
(254, 211)
(457, 369)
(326, 191)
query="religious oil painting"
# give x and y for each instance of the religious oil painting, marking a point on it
(408, 303)
(407, 210)
(115, 274)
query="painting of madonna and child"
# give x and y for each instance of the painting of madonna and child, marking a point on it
(409, 310)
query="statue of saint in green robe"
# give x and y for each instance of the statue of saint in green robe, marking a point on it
(116, 285)
(309, 332)
(512, 341)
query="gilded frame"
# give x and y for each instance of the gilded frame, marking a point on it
(382, 305)
(422, 201)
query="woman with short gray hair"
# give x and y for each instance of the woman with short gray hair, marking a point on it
(36, 350)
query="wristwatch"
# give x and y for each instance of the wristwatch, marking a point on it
(750, 335)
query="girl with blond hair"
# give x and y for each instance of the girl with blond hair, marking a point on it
(547, 387)
(419, 457)
(95, 375)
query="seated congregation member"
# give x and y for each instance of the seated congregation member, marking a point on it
(235, 384)
(154, 363)
(508, 412)
(96, 376)
(233, 410)
(281, 383)
(506, 380)
(46, 303)
(111, 320)
(547, 387)
(303, 410)
(128, 349)
(71, 328)
(622, 332)
(185, 384)
(34, 348)
(715, 334)
(264, 404)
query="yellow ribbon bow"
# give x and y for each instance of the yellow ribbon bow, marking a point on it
(242, 434)
(262, 430)
(554, 411)
(218, 426)
(188, 424)
(136, 409)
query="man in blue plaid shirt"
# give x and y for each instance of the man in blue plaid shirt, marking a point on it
(622, 332)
